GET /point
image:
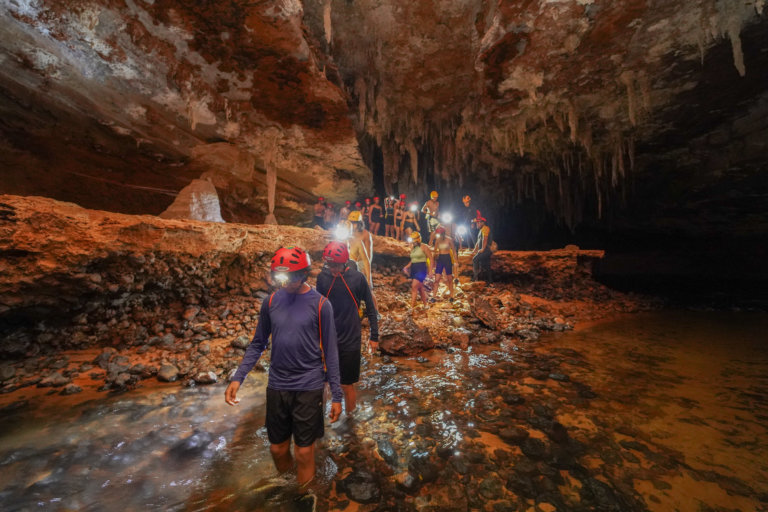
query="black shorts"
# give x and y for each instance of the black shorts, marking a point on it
(444, 263)
(349, 366)
(419, 271)
(297, 413)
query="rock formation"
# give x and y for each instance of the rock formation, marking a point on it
(633, 115)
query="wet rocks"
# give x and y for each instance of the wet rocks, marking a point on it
(7, 372)
(206, 378)
(55, 379)
(168, 373)
(192, 446)
(361, 486)
(514, 435)
(387, 451)
(483, 310)
(405, 338)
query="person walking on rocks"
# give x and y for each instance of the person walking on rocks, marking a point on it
(318, 218)
(481, 256)
(445, 259)
(347, 289)
(361, 245)
(418, 268)
(304, 356)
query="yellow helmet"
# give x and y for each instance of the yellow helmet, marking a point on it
(415, 236)
(355, 216)
(433, 194)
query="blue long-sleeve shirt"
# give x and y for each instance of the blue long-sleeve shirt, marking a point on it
(340, 291)
(297, 352)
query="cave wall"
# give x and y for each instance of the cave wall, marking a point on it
(118, 105)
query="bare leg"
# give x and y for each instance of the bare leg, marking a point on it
(423, 292)
(281, 455)
(449, 278)
(305, 464)
(436, 286)
(414, 291)
(350, 397)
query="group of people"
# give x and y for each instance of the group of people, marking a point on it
(316, 338)
(395, 218)
(316, 333)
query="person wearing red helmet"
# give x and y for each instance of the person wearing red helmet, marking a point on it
(374, 216)
(319, 213)
(304, 355)
(329, 216)
(399, 214)
(410, 221)
(481, 256)
(389, 217)
(347, 289)
(344, 211)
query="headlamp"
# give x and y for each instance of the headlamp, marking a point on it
(414, 208)
(446, 217)
(281, 277)
(341, 232)
(462, 230)
(409, 240)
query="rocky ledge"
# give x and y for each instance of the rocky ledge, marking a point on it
(91, 299)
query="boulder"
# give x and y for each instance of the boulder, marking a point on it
(168, 373)
(483, 310)
(405, 338)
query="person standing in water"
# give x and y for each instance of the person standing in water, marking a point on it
(304, 356)
(347, 289)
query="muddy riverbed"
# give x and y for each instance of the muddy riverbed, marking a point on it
(655, 411)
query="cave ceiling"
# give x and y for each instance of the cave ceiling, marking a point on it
(574, 105)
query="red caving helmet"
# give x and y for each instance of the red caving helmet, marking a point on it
(320, 199)
(440, 230)
(347, 202)
(336, 252)
(290, 259)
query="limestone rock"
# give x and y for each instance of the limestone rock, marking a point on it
(197, 201)
(484, 311)
(403, 339)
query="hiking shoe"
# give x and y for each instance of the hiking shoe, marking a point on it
(433, 300)
(305, 502)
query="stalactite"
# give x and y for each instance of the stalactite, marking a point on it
(327, 20)
(734, 33)
(361, 90)
(573, 121)
(414, 155)
(520, 132)
(628, 79)
(759, 5)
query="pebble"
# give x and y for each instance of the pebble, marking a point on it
(168, 373)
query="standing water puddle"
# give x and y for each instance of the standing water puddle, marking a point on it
(663, 411)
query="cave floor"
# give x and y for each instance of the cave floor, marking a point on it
(654, 411)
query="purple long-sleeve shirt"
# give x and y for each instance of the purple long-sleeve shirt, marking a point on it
(297, 352)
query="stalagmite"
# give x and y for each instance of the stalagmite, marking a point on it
(270, 157)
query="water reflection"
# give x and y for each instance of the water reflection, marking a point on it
(654, 412)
